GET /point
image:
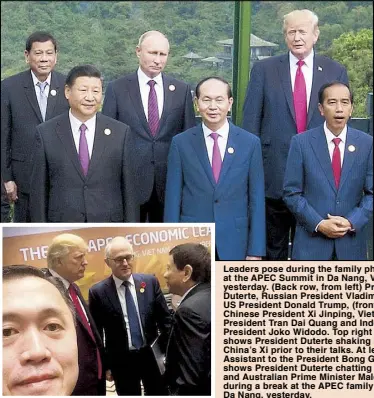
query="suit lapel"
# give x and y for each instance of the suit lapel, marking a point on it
(316, 84)
(229, 157)
(168, 97)
(99, 145)
(52, 99)
(349, 157)
(198, 142)
(111, 293)
(31, 95)
(285, 78)
(63, 131)
(79, 294)
(319, 145)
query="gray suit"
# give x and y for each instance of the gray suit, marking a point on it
(20, 114)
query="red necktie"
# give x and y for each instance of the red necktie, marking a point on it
(81, 314)
(336, 161)
(299, 99)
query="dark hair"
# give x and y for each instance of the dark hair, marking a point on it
(229, 91)
(321, 92)
(41, 37)
(20, 271)
(197, 256)
(82, 71)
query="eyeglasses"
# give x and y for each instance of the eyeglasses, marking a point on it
(119, 260)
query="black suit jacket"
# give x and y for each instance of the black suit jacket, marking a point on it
(149, 154)
(5, 207)
(88, 382)
(20, 114)
(59, 190)
(106, 309)
(188, 356)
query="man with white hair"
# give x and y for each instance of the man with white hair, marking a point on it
(282, 101)
(130, 310)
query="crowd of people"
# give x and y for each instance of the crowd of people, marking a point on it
(144, 157)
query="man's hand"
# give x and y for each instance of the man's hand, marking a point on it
(11, 190)
(253, 258)
(108, 375)
(334, 226)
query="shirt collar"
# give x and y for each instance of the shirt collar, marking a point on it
(223, 131)
(308, 60)
(144, 79)
(185, 294)
(76, 123)
(119, 282)
(330, 136)
(58, 276)
(36, 80)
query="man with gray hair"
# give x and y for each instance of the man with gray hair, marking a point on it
(66, 259)
(282, 101)
(156, 107)
(131, 311)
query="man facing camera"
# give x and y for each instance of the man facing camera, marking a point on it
(156, 107)
(328, 183)
(81, 165)
(129, 309)
(40, 355)
(66, 258)
(188, 356)
(215, 174)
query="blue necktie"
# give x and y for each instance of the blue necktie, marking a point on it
(136, 334)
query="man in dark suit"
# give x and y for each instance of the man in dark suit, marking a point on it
(188, 355)
(281, 101)
(215, 174)
(328, 183)
(27, 99)
(81, 167)
(129, 309)
(156, 107)
(67, 262)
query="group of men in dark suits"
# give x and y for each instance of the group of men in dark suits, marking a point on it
(127, 313)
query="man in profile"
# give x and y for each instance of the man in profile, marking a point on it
(130, 309)
(188, 356)
(40, 355)
(66, 258)
(156, 107)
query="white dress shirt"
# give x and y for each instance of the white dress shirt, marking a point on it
(307, 70)
(222, 140)
(330, 136)
(90, 132)
(121, 291)
(144, 87)
(37, 89)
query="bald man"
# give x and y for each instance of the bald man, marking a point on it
(156, 107)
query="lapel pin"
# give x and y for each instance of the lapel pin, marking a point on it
(171, 87)
(230, 150)
(53, 92)
(320, 68)
(351, 148)
(141, 290)
(107, 132)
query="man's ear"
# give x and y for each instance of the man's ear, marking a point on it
(187, 272)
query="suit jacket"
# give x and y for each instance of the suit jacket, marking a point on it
(61, 193)
(106, 309)
(310, 194)
(235, 203)
(5, 206)
(188, 356)
(20, 114)
(149, 154)
(269, 111)
(88, 382)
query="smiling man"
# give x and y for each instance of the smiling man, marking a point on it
(215, 175)
(40, 355)
(81, 170)
(130, 310)
(328, 183)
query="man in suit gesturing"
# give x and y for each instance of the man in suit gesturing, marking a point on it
(66, 258)
(281, 101)
(328, 183)
(129, 309)
(27, 99)
(215, 175)
(81, 167)
(188, 364)
(156, 107)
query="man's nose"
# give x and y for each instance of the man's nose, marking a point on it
(34, 348)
